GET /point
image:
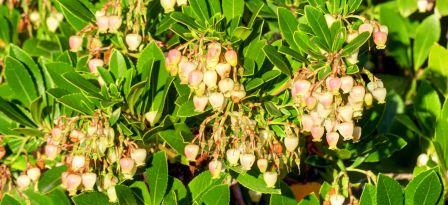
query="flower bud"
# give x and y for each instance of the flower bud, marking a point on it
(94, 64)
(52, 23)
(51, 151)
(233, 155)
(347, 83)
(174, 56)
(23, 181)
(291, 143)
(332, 140)
(195, 78)
(380, 95)
(216, 100)
(151, 116)
(231, 57)
(356, 133)
(72, 183)
(247, 160)
(333, 84)
(329, 19)
(182, 2)
(139, 156)
(323, 112)
(226, 85)
(102, 22)
(310, 102)
(78, 163)
(329, 125)
(33, 174)
(346, 130)
(114, 23)
(270, 178)
(213, 53)
(380, 37)
(185, 68)
(75, 43)
(357, 93)
(112, 194)
(133, 40)
(200, 103)
(422, 159)
(365, 27)
(34, 17)
(337, 199)
(191, 152)
(368, 99)
(88, 180)
(317, 132)
(215, 167)
(210, 79)
(345, 113)
(262, 165)
(301, 88)
(325, 98)
(223, 70)
(127, 166)
(307, 122)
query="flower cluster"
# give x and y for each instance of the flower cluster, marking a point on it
(168, 5)
(210, 72)
(93, 153)
(330, 106)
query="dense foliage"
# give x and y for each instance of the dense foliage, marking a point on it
(223, 102)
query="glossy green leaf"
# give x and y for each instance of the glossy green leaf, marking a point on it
(427, 106)
(318, 24)
(425, 188)
(216, 195)
(288, 25)
(389, 191)
(278, 60)
(253, 181)
(232, 9)
(424, 39)
(83, 84)
(368, 196)
(124, 195)
(310, 200)
(91, 198)
(200, 8)
(14, 113)
(440, 133)
(157, 177)
(9, 200)
(407, 7)
(20, 81)
(355, 43)
(51, 179)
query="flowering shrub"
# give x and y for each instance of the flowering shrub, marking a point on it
(223, 102)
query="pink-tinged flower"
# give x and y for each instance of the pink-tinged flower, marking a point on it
(102, 23)
(168, 5)
(139, 156)
(317, 132)
(215, 167)
(365, 27)
(291, 143)
(380, 95)
(51, 151)
(231, 57)
(23, 181)
(332, 140)
(33, 173)
(346, 130)
(195, 78)
(133, 41)
(72, 183)
(88, 180)
(213, 54)
(210, 79)
(223, 69)
(75, 43)
(301, 88)
(114, 23)
(347, 83)
(357, 94)
(262, 165)
(232, 156)
(226, 85)
(307, 122)
(216, 100)
(94, 64)
(191, 151)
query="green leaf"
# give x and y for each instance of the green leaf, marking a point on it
(440, 133)
(184, 19)
(14, 113)
(355, 43)
(51, 179)
(37, 198)
(26, 59)
(20, 81)
(187, 110)
(278, 60)
(216, 195)
(424, 39)
(287, 197)
(384, 146)
(368, 196)
(59, 197)
(141, 192)
(9, 200)
(425, 188)
(407, 7)
(318, 24)
(83, 84)
(436, 62)
(427, 106)
(77, 9)
(124, 195)
(199, 7)
(157, 177)
(201, 183)
(442, 7)
(389, 191)
(117, 65)
(91, 198)
(174, 140)
(232, 9)
(288, 25)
